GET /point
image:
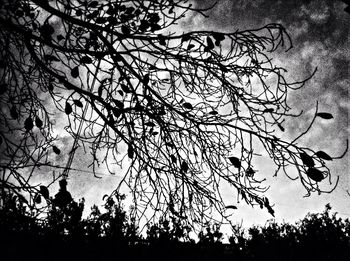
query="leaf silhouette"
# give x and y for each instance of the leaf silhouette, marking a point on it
(93, 4)
(150, 124)
(28, 124)
(3, 88)
(161, 39)
(210, 44)
(46, 31)
(235, 162)
(145, 79)
(75, 72)
(280, 127)
(60, 37)
(119, 104)
(116, 112)
(190, 46)
(78, 103)
(173, 158)
(125, 29)
(213, 113)
(268, 110)
(184, 167)
(130, 151)
(315, 174)
(56, 150)
(101, 20)
(307, 160)
(125, 88)
(218, 38)
(323, 155)
(250, 172)
(185, 38)
(99, 90)
(187, 105)
(86, 60)
(38, 122)
(37, 199)
(45, 192)
(51, 58)
(324, 115)
(13, 112)
(68, 109)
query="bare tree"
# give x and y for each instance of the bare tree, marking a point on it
(186, 112)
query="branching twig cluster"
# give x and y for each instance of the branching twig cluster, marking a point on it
(183, 111)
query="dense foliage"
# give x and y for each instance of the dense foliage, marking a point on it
(112, 234)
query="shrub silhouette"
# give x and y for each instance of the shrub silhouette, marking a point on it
(321, 236)
(112, 233)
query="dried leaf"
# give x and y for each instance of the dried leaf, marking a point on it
(93, 4)
(324, 115)
(38, 122)
(315, 174)
(185, 38)
(14, 113)
(173, 158)
(280, 127)
(218, 38)
(235, 162)
(187, 105)
(37, 199)
(75, 72)
(125, 29)
(323, 155)
(125, 88)
(210, 44)
(161, 39)
(130, 151)
(307, 160)
(68, 109)
(56, 150)
(250, 172)
(184, 167)
(119, 104)
(28, 124)
(145, 79)
(45, 192)
(190, 46)
(51, 58)
(85, 60)
(231, 207)
(150, 124)
(268, 110)
(3, 88)
(78, 103)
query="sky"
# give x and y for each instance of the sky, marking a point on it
(320, 34)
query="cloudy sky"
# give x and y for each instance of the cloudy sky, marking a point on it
(320, 33)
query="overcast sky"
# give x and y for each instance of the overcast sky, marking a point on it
(320, 33)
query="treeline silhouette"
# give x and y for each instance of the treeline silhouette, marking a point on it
(62, 234)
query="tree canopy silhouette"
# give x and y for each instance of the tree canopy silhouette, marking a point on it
(186, 112)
